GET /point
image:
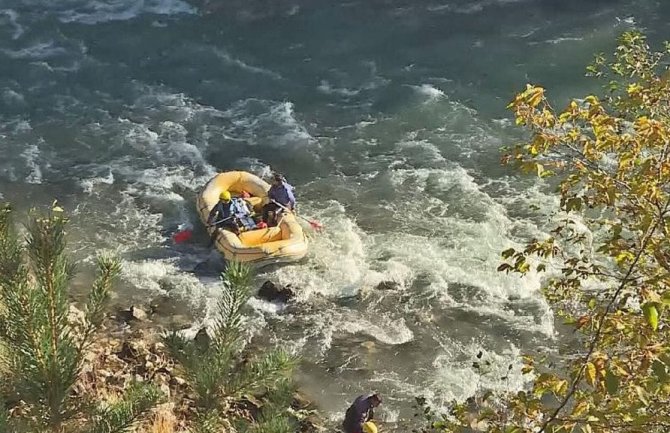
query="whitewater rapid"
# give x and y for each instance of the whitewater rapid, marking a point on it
(388, 117)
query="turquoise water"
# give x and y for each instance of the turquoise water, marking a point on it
(387, 116)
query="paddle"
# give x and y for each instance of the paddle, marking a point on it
(186, 234)
(316, 225)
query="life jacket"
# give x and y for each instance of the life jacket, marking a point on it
(243, 214)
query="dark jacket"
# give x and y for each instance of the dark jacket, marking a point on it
(220, 211)
(360, 411)
(283, 194)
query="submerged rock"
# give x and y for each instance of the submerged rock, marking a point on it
(388, 285)
(274, 293)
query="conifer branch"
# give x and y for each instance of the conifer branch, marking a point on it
(120, 416)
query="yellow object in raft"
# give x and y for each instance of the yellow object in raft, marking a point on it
(281, 244)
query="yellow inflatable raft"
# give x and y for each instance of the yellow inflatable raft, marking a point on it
(284, 243)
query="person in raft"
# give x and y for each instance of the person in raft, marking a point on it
(227, 212)
(358, 416)
(280, 194)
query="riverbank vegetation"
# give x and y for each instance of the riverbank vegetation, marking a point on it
(606, 262)
(66, 369)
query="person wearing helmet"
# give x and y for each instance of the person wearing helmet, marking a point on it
(361, 412)
(222, 214)
(281, 196)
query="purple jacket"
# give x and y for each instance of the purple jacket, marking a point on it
(282, 194)
(360, 411)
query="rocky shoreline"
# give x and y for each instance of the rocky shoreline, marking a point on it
(129, 348)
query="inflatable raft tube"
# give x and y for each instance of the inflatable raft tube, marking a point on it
(284, 243)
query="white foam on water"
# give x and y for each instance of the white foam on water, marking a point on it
(133, 227)
(268, 123)
(230, 60)
(40, 50)
(31, 155)
(165, 277)
(470, 7)
(456, 379)
(561, 40)
(383, 328)
(94, 12)
(13, 17)
(255, 166)
(338, 260)
(12, 97)
(327, 88)
(88, 185)
(431, 92)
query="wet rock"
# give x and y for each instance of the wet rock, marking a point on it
(300, 401)
(274, 293)
(177, 381)
(248, 407)
(311, 424)
(161, 305)
(134, 313)
(202, 338)
(138, 313)
(388, 285)
(128, 353)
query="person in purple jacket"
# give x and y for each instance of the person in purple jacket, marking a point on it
(360, 412)
(280, 193)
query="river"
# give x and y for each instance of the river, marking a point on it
(386, 115)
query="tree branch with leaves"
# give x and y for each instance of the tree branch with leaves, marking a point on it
(218, 371)
(44, 349)
(609, 155)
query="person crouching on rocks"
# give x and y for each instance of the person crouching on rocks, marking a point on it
(358, 416)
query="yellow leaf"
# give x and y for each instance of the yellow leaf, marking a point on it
(590, 372)
(651, 314)
(535, 95)
(581, 408)
(634, 88)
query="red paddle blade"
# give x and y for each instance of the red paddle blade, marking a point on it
(316, 225)
(182, 236)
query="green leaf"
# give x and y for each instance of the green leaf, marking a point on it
(592, 303)
(120, 416)
(651, 314)
(611, 383)
(659, 370)
(642, 395)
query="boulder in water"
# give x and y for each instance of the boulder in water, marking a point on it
(274, 293)
(388, 285)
